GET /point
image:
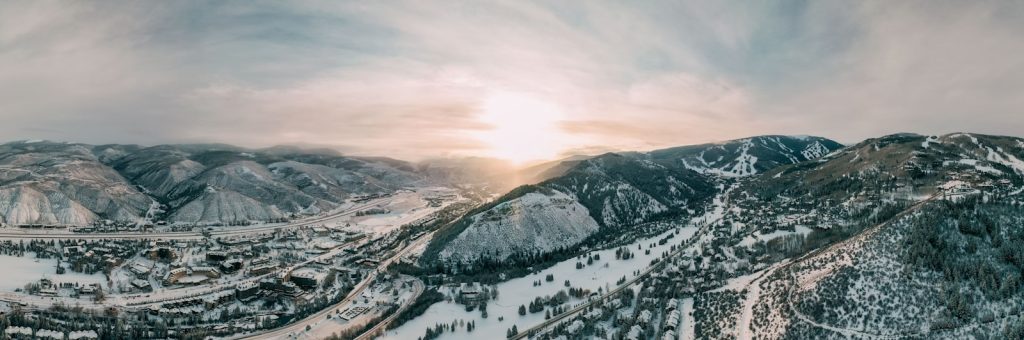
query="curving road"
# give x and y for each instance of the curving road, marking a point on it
(744, 326)
(558, 318)
(300, 326)
(417, 289)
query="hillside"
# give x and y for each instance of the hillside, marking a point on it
(901, 236)
(53, 183)
(616, 191)
(79, 184)
(745, 157)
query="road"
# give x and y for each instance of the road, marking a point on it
(139, 301)
(190, 292)
(373, 332)
(743, 328)
(182, 235)
(300, 326)
(686, 245)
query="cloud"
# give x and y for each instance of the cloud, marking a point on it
(928, 67)
(408, 79)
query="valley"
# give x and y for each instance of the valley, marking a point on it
(771, 237)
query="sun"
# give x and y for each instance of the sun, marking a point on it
(525, 128)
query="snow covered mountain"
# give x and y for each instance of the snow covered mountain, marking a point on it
(616, 190)
(78, 184)
(902, 236)
(748, 156)
(56, 183)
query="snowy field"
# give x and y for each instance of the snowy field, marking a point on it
(403, 208)
(17, 271)
(521, 291)
(757, 236)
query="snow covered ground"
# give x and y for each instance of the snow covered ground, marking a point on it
(17, 271)
(521, 291)
(402, 208)
(373, 300)
(535, 222)
(750, 240)
(689, 327)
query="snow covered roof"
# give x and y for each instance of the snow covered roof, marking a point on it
(46, 333)
(88, 334)
(18, 330)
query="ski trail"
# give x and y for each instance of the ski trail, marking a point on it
(689, 329)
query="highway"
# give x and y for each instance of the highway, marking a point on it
(139, 301)
(300, 326)
(14, 234)
(376, 330)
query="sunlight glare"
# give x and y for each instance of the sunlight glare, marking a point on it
(524, 127)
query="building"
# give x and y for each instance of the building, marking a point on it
(83, 335)
(471, 292)
(231, 266)
(216, 256)
(263, 268)
(210, 272)
(88, 289)
(174, 275)
(307, 279)
(161, 253)
(142, 285)
(247, 290)
(140, 271)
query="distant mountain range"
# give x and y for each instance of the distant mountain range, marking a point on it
(79, 184)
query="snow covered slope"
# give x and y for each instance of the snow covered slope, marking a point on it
(950, 271)
(78, 184)
(748, 156)
(59, 183)
(537, 222)
(619, 190)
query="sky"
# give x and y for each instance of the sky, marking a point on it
(518, 80)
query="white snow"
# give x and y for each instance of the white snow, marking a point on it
(814, 151)
(533, 222)
(750, 240)
(1004, 158)
(521, 291)
(18, 271)
(689, 328)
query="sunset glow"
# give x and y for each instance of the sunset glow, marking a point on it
(524, 127)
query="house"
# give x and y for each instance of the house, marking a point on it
(49, 334)
(174, 275)
(210, 272)
(307, 279)
(263, 268)
(91, 288)
(216, 256)
(142, 285)
(139, 270)
(471, 292)
(231, 266)
(83, 335)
